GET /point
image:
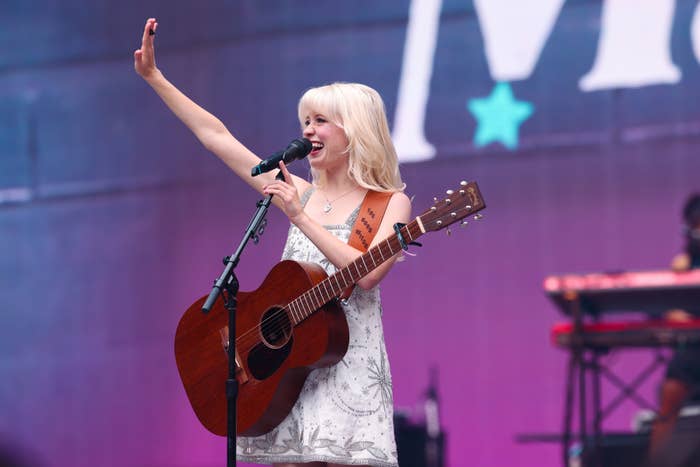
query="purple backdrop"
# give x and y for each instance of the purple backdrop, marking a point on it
(113, 219)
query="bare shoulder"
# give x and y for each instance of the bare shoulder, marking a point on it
(400, 206)
(400, 199)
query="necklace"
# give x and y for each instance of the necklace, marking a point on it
(329, 203)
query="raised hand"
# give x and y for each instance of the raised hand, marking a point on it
(145, 57)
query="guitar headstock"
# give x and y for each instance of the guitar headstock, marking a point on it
(458, 204)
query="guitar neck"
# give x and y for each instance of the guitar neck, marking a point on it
(458, 204)
(333, 286)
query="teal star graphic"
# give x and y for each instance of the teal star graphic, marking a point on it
(499, 116)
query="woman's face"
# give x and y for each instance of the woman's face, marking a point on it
(328, 139)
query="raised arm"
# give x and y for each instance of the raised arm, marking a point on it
(210, 131)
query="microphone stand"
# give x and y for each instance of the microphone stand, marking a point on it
(229, 282)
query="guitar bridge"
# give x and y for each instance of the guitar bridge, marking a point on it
(241, 375)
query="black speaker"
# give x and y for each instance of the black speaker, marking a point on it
(415, 448)
(631, 449)
(615, 450)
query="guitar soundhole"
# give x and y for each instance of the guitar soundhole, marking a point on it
(275, 328)
(265, 358)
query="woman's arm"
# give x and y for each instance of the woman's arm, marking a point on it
(210, 131)
(340, 253)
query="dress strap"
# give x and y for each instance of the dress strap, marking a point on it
(306, 195)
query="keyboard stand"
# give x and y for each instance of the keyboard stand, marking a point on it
(585, 368)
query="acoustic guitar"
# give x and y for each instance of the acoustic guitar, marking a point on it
(290, 325)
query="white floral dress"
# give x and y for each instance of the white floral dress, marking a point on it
(344, 413)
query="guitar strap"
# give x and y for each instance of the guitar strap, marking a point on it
(369, 218)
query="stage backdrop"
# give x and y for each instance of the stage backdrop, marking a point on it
(578, 120)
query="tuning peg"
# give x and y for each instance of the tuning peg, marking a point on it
(463, 183)
(464, 223)
(478, 217)
(449, 232)
(450, 192)
(435, 200)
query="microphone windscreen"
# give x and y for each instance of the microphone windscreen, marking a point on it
(299, 149)
(306, 145)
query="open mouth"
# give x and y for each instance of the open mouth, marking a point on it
(316, 146)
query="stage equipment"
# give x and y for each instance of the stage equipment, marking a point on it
(290, 325)
(422, 444)
(585, 299)
(297, 149)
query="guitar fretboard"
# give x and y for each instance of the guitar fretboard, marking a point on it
(333, 286)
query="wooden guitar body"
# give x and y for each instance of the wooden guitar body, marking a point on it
(287, 327)
(273, 355)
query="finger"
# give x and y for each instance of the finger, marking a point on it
(277, 193)
(144, 38)
(277, 187)
(271, 188)
(280, 188)
(287, 187)
(147, 38)
(286, 174)
(148, 41)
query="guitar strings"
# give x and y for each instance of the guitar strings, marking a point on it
(265, 325)
(268, 324)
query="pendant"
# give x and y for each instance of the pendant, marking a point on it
(327, 208)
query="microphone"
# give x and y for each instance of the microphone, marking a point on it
(297, 149)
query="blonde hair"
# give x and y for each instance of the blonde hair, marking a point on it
(359, 111)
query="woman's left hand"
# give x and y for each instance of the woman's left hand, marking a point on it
(286, 193)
